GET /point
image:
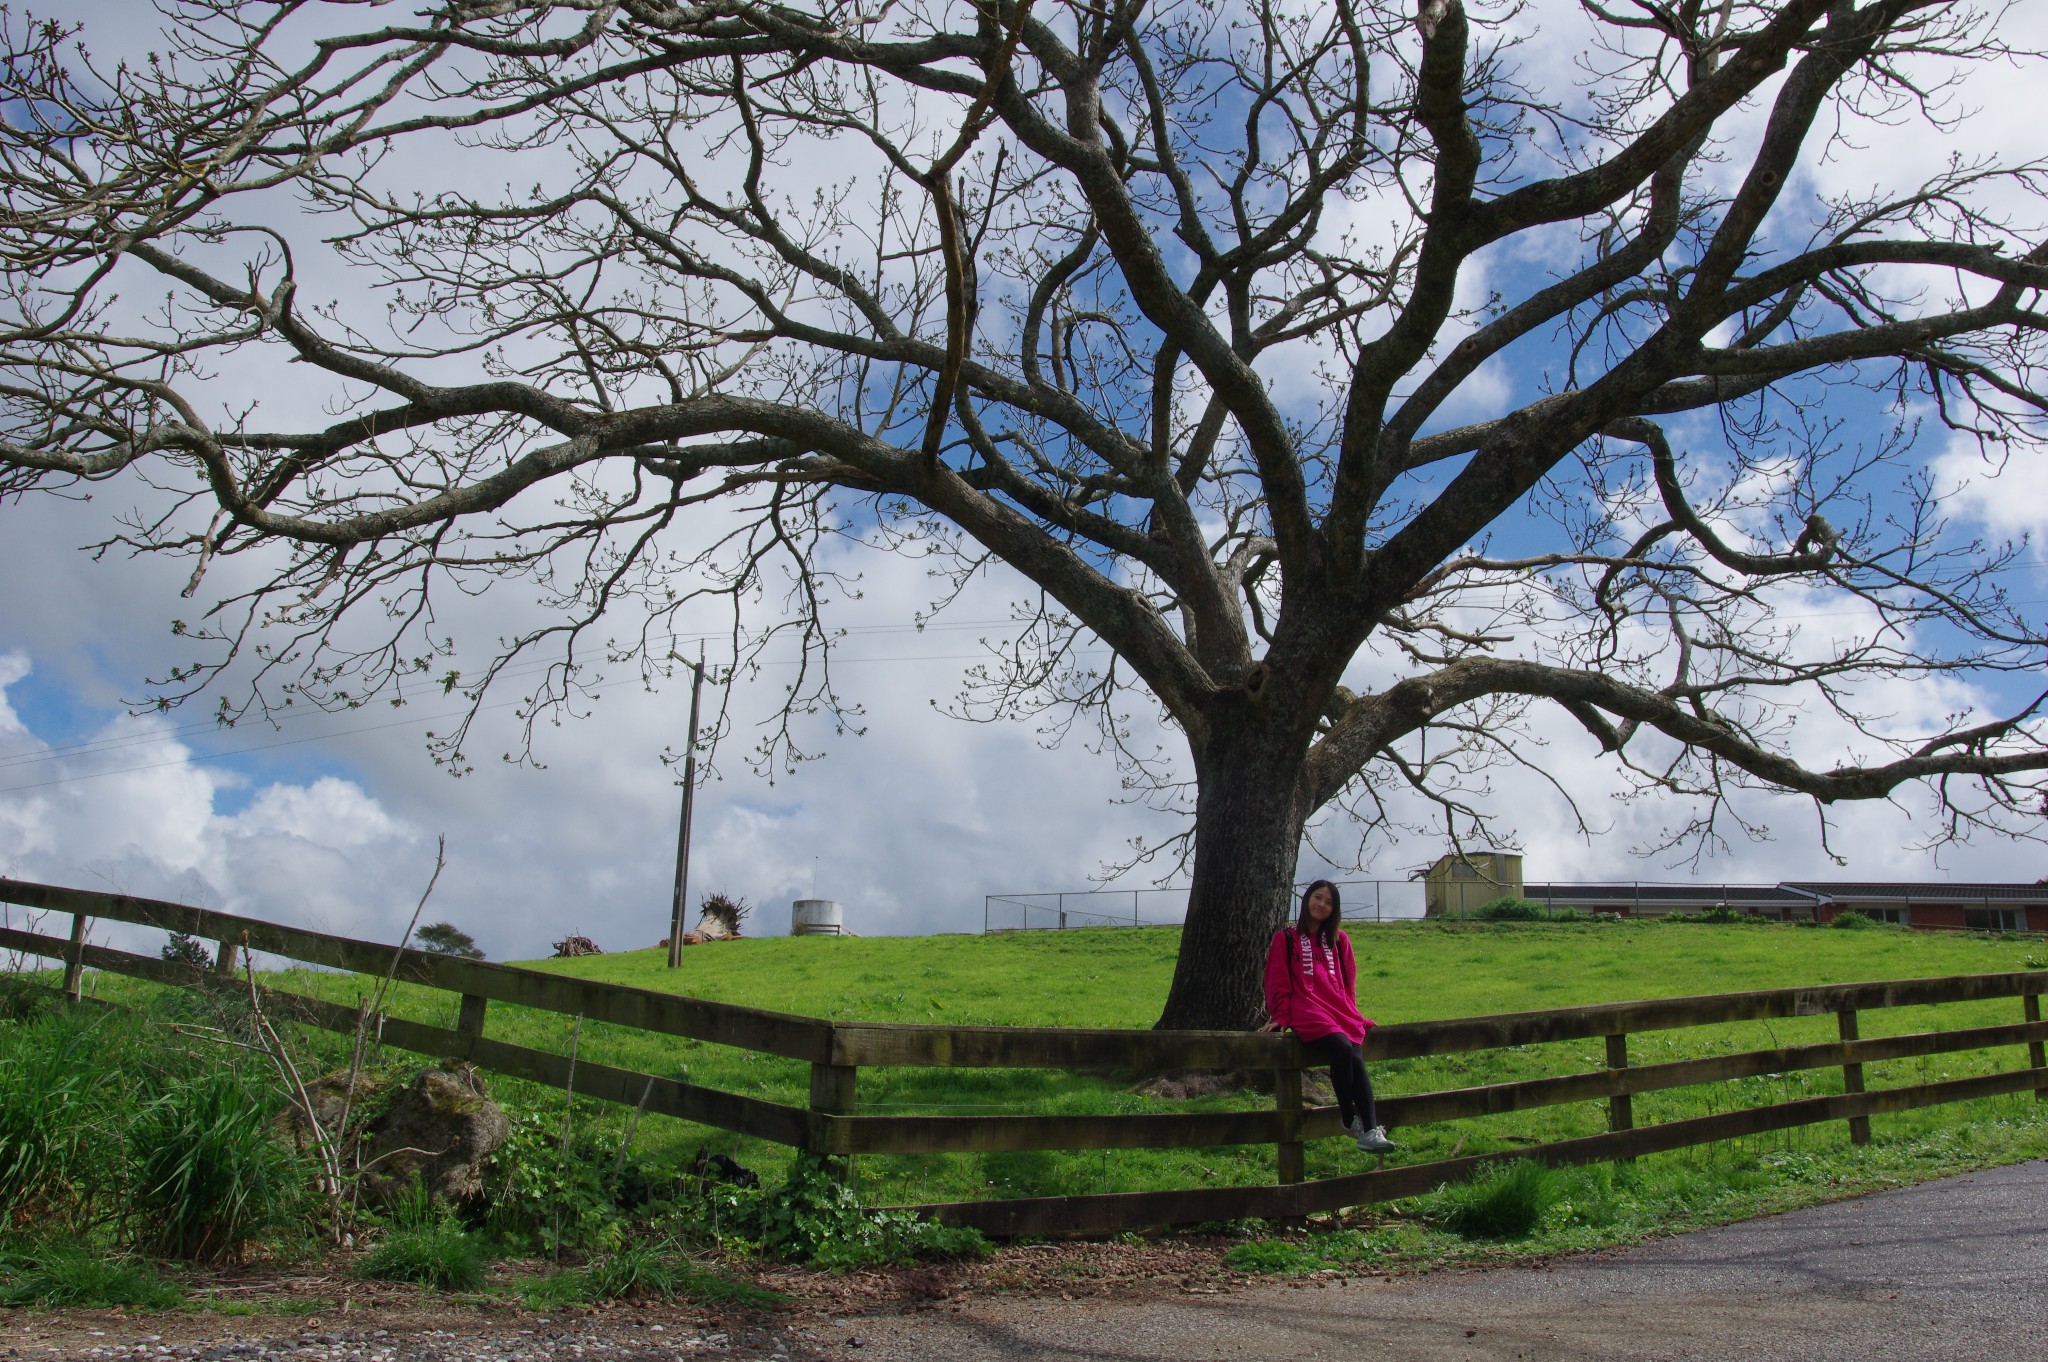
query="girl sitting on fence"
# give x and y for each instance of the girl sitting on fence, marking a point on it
(1312, 989)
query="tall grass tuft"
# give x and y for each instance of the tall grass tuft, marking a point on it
(1506, 1201)
(639, 1269)
(208, 1174)
(441, 1255)
(70, 1272)
(49, 1155)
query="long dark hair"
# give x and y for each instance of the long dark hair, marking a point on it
(1328, 932)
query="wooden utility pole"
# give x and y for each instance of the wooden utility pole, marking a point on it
(680, 906)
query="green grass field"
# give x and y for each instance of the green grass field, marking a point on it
(1117, 977)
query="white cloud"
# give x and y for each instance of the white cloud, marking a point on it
(2008, 497)
(329, 812)
(910, 825)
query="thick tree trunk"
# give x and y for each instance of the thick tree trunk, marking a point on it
(1247, 836)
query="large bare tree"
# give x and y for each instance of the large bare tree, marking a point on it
(1366, 377)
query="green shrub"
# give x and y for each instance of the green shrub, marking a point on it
(1721, 915)
(208, 1173)
(559, 1200)
(71, 1272)
(1511, 910)
(1528, 910)
(442, 1255)
(1505, 1201)
(814, 1217)
(1849, 920)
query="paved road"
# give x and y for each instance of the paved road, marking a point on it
(1956, 1269)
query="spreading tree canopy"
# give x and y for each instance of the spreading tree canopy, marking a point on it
(1370, 379)
(445, 938)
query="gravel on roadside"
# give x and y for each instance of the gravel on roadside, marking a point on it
(457, 1341)
(296, 1315)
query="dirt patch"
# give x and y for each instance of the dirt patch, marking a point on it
(282, 1309)
(1116, 1269)
(1178, 1085)
(277, 1304)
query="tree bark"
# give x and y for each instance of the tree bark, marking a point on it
(1248, 825)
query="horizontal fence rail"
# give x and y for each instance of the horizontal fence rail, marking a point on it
(776, 1033)
(831, 1123)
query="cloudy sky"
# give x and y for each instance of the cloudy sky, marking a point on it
(331, 820)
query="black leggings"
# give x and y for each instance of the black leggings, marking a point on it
(1347, 1076)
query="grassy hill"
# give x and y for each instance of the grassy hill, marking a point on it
(1411, 971)
(1117, 977)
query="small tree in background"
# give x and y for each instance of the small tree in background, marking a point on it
(188, 950)
(445, 938)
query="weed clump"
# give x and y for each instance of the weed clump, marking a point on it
(1337, 1249)
(1505, 1201)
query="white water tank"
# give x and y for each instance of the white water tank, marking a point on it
(817, 917)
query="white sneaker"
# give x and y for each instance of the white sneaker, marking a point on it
(1374, 1141)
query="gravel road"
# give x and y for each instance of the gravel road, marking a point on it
(1956, 1269)
(1950, 1271)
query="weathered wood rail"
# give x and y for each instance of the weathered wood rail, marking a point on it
(836, 1051)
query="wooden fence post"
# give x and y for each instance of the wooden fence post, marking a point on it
(1852, 1077)
(833, 1093)
(469, 1018)
(74, 959)
(1291, 1153)
(1621, 1106)
(2037, 1051)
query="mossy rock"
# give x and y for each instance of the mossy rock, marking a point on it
(435, 1134)
(335, 1099)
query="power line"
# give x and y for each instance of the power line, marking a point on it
(97, 745)
(192, 758)
(195, 757)
(102, 745)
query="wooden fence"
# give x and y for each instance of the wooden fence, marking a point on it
(836, 1051)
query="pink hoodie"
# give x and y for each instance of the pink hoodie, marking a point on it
(1312, 991)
